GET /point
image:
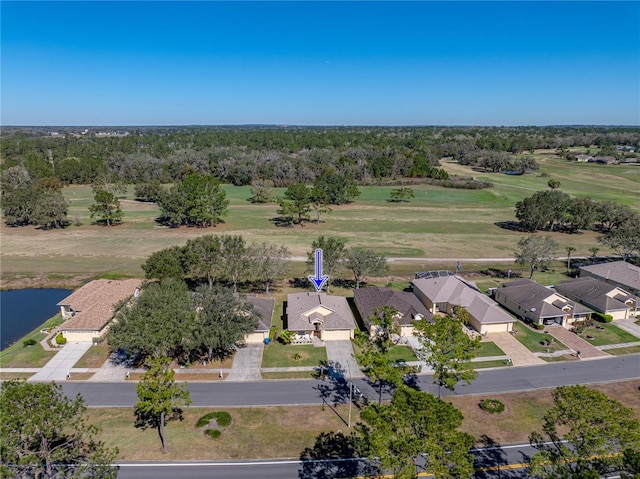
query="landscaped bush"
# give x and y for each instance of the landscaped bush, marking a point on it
(538, 326)
(603, 318)
(60, 339)
(29, 342)
(205, 420)
(223, 418)
(286, 336)
(272, 333)
(213, 433)
(493, 406)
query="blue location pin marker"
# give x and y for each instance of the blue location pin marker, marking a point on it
(319, 279)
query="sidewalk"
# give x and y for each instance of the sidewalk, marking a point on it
(575, 342)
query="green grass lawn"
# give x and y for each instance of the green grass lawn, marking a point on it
(611, 334)
(402, 353)
(532, 340)
(439, 222)
(280, 355)
(17, 356)
(489, 348)
(95, 356)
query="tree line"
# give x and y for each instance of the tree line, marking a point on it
(286, 156)
(554, 210)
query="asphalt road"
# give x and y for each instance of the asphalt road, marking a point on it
(310, 392)
(513, 458)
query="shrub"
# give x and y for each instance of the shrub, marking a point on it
(204, 420)
(213, 433)
(538, 326)
(223, 418)
(493, 406)
(272, 333)
(29, 342)
(286, 336)
(603, 318)
(60, 339)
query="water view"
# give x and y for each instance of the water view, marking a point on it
(22, 310)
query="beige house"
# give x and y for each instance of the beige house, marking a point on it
(600, 296)
(441, 294)
(318, 314)
(89, 310)
(264, 307)
(539, 304)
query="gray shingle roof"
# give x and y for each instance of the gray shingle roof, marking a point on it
(621, 272)
(535, 297)
(334, 311)
(597, 294)
(264, 307)
(407, 304)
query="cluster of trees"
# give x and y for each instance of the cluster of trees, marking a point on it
(226, 258)
(361, 262)
(34, 202)
(554, 210)
(197, 200)
(497, 161)
(328, 189)
(168, 320)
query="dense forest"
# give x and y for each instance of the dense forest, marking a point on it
(285, 155)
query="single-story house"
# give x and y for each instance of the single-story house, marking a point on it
(600, 296)
(89, 310)
(408, 306)
(539, 304)
(605, 160)
(582, 158)
(264, 307)
(441, 294)
(318, 314)
(618, 273)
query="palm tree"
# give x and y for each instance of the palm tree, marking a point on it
(594, 252)
(569, 249)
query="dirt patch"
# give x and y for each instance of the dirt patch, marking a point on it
(18, 281)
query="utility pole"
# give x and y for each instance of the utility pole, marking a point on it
(350, 394)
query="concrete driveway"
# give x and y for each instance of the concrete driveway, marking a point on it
(246, 363)
(628, 325)
(340, 357)
(58, 367)
(575, 342)
(519, 354)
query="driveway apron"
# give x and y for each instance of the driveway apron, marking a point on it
(246, 363)
(61, 364)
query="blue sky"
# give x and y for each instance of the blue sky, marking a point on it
(320, 63)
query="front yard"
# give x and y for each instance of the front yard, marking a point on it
(601, 334)
(278, 355)
(18, 356)
(537, 342)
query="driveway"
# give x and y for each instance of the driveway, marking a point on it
(340, 357)
(575, 342)
(60, 365)
(519, 354)
(246, 363)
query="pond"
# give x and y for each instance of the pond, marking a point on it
(23, 310)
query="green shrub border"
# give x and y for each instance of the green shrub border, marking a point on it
(493, 406)
(603, 318)
(60, 339)
(213, 433)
